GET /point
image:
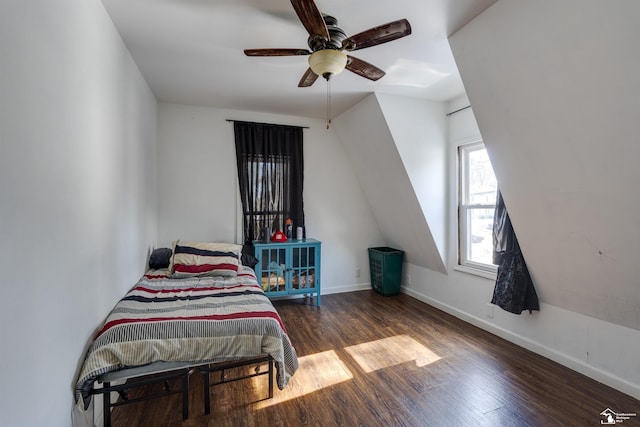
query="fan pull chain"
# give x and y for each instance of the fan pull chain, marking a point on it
(328, 103)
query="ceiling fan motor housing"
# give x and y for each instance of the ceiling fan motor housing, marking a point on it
(336, 36)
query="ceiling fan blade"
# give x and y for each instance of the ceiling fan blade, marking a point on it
(308, 78)
(276, 52)
(363, 68)
(378, 35)
(311, 18)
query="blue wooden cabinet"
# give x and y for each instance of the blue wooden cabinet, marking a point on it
(289, 268)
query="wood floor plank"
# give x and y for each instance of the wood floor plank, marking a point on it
(369, 360)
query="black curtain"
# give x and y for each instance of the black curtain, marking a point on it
(270, 173)
(514, 291)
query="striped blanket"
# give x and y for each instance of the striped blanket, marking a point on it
(195, 320)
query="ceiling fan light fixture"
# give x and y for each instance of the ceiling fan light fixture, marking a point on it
(327, 62)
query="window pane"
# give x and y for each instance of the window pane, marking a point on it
(269, 180)
(477, 198)
(482, 181)
(480, 236)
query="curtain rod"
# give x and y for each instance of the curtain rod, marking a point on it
(458, 110)
(271, 124)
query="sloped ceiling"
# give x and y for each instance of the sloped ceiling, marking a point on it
(386, 169)
(555, 90)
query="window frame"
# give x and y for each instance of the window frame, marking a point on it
(464, 208)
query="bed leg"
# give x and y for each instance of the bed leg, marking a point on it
(207, 391)
(270, 378)
(185, 395)
(106, 406)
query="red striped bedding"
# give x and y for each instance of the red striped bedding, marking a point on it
(195, 320)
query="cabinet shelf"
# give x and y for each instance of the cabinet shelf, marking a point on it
(289, 268)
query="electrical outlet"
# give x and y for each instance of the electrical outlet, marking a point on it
(357, 273)
(407, 279)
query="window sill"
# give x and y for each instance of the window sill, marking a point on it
(491, 275)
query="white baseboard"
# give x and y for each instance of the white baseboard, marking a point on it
(536, 347)
(348, 288)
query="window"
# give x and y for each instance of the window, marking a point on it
(271, 181)
(477, 199)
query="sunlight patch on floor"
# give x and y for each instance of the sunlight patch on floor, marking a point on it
(379, 354)
(315, 371)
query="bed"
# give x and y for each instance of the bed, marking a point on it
(188, 317)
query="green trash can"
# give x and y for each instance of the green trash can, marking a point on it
(385, 267)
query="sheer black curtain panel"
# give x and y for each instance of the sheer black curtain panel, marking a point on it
(270, 174)
(514, 290)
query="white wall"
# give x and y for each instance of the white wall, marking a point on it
(555, 91)
(368, 131)
(419, 129)
(199, 191)
(602, 350)
(77, 195)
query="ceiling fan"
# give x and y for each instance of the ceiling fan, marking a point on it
(327, 43)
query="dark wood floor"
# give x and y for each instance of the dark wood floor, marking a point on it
(369, 360)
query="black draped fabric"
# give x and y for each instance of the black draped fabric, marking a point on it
(270, 173)
(514, 291)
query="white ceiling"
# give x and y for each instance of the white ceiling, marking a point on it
(191, 51)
